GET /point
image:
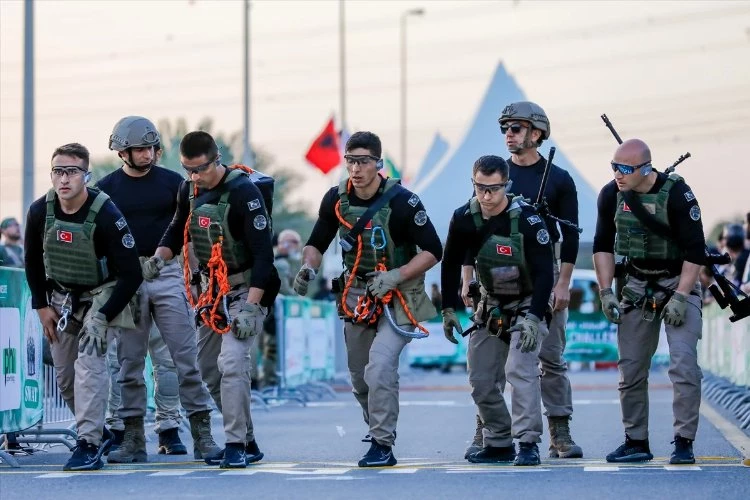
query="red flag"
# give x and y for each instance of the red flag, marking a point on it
(324, 152)
(504, 250)
(204, 221)
(64, 236)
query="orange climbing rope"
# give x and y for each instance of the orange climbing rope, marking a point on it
(369, 308)
(213, 296)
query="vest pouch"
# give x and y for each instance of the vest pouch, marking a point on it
(498, 324)
(126, 319)
(337, 288)
(417, 301)
(506, 280)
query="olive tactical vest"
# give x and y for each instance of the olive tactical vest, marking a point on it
(500, 262)
(376, 233)
(636, 241)
(210, 221)
(69, 253)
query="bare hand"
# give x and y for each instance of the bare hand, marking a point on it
(561, 292)
(49, 319)
(465, 295)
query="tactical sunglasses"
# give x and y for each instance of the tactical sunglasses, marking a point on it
(514, 127)
(627, 169)
(489, 188)
(200, 168)
(352, 160)
(60, 171)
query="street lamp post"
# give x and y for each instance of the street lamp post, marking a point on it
(404, 16)
(247, 155)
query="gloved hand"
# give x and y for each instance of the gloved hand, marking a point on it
(249, 322)
(152, 267)
(450, 321)
(610, 305)
(305, 275)
(382, 282)
(674, 312)
(529, 328)
(94, 335)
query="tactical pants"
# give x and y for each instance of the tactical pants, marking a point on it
(557, 395)
(166, 386)
(225, 365)
(373, 356)
(637, 341)
(82, 378)
(492, 362)
(163, 301)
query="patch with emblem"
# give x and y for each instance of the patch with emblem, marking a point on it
(414, 200)
(542, 236)
(695, 213)
(204, 222)
(689, 196)
(121, 223)
(420, 218)
(259, 222)
(64, 236)
(504, 250)
(253, 205)
(128, 241)
(625, 207)
(534, 219)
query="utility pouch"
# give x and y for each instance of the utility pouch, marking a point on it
(506, 280)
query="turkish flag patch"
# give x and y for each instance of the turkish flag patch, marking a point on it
(625, 207)
(64, 236)
(504, 250)
(204, 221)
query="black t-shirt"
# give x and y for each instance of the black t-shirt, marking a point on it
(561, 196)
(464, 242)
(402, 226)
(242, 226)
(110, 241)
(687, 231)
(148, 203)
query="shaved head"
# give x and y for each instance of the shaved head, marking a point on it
(632, 152)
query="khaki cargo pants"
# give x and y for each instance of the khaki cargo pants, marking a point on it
(491, 363)
(82, 378)
(225, 364)
(637, 341)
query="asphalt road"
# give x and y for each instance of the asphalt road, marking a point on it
(312, 452)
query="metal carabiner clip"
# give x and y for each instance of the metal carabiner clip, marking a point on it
(373, 240)
(416, 334)
(65, 311)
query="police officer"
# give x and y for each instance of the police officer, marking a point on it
(147, 195)
(382, 262)
(228, 225)
(660, 283)
(525, 126)
(82, 268)
(510, 247)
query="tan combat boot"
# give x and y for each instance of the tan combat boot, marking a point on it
(133, 447)
(203, 442)
(478, 442)
(561, 444)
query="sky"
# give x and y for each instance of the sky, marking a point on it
(675, 74)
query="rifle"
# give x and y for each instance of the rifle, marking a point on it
(726, 293)
(541, 202)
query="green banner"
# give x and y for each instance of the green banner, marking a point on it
(590, 337)
(724, 349)
(21, 387)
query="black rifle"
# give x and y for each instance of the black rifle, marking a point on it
(724, 291)
(541, 202)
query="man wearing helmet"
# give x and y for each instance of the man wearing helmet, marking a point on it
(146, 194)
(525, 126)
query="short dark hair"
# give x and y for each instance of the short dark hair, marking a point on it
(491, 164)
(73, 149)
(366, 140)
(198, 143)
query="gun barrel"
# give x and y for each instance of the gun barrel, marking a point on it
(611, 128)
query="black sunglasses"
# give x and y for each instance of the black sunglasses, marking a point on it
(514, 127)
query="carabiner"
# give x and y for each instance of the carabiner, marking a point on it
(416, 334)
(373, 243)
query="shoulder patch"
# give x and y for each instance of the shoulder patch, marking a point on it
(414, 200)
(542, 236)
(534, 219)
(121, 223)
(695, 212)
(259, 222)
(128, 241)
(420, 218)
(689, 196)
(253, 205)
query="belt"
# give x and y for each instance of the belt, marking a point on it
(649, 274)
